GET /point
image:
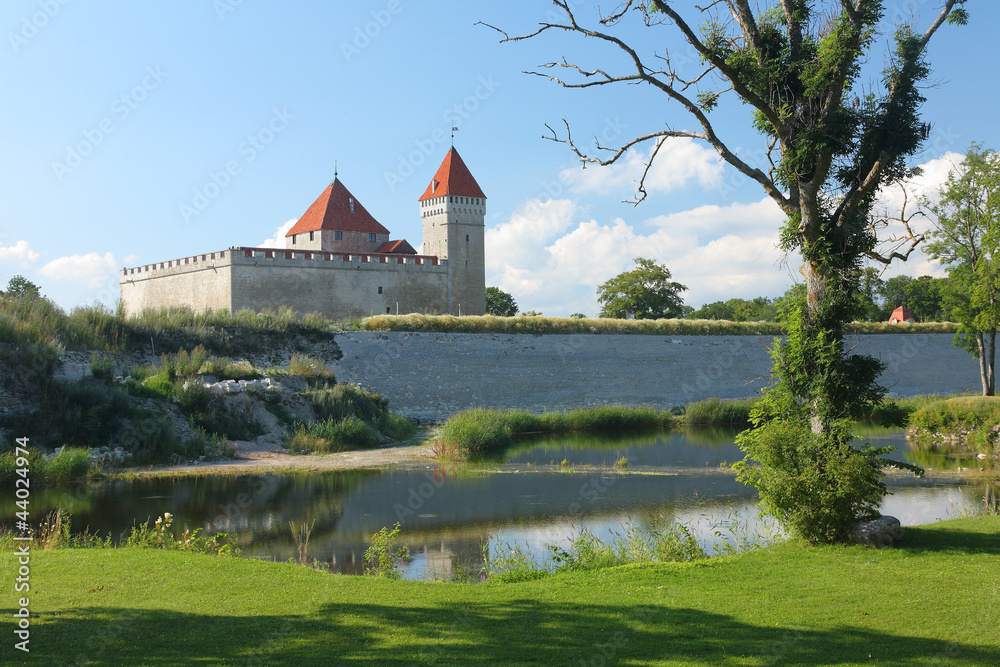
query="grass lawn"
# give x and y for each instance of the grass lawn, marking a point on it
(933, 601)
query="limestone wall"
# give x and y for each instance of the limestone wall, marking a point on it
(339, 285)
(200, 281)
(431, 376)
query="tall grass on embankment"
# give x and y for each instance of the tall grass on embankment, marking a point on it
(35, 331)
(894, 412)
(70, 464)
(482, 430)
(349, 418)
(529, 324)
(975, 419)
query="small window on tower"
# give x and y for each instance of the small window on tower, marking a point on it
(371, 238)
(466, 238)
(293, 239)
(379, 289)
(311, 235)
(338, 236)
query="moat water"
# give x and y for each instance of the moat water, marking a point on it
(541, 492)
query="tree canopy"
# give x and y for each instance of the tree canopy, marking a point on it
(500, 303)
(646, 292)
(966, 239)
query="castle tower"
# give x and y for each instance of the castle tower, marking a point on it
(453, 208)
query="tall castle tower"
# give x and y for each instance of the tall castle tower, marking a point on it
(453, 208)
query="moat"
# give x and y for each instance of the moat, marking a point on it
(541, 492)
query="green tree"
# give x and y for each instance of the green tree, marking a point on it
(500, 303)
(894, 294)
(832, 141)
(868, 290)
(20, 287)
(966, 239)
(645, 292)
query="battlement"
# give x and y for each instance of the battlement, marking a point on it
(282, 257)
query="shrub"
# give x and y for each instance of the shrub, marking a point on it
(817, 485)
(102, 367)
(344, 400)
(384, 556)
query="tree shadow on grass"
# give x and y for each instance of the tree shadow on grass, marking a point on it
(949, 540)
(515, 632)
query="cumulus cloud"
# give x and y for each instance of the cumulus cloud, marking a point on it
(92, 269)
(679, 162)
(556, 265)
(278, 240)
(19, 253)
(934, 174)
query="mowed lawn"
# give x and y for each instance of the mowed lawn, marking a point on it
(933, 601)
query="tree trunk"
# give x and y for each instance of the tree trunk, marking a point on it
(983, 363)
(815, 294)
(992, 358)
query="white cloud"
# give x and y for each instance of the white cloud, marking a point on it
(278, 240)
(678, 162)
(92, 269)
(554, 263)
(20, 253)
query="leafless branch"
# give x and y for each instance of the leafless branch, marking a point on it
(897, 241)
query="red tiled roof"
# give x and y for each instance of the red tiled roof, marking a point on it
(901, 314)
(453, 178)
(400, 247)
(332, 210)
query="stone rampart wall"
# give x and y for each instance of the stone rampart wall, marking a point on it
(433, 375)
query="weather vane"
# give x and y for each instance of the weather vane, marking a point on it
(453, 131)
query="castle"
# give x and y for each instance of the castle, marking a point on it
(340, 261)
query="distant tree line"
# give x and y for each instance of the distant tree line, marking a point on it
(929, 299)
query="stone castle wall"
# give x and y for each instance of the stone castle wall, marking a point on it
(433, 375)
(339, 285)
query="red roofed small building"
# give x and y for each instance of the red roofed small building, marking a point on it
(337, 222)
(340, 261)
(901, 314)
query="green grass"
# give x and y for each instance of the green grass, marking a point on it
(973, 417)
(931, 601)
(714, 411)
(70, 464)
(349, 418)
(576, 325)
(37, 330)
(481, 430)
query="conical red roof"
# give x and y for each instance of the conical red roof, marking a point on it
(333, 210)
(453, 178)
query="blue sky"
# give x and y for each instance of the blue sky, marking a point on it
(137, 132)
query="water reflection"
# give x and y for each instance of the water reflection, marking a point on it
(446, 516)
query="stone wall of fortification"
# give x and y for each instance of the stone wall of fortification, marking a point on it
(199, 281)
(433, 375)
(337, 285)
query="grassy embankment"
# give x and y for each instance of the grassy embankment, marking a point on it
(482, 430)
(566, 325)
(929, 601)
(99, 413)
